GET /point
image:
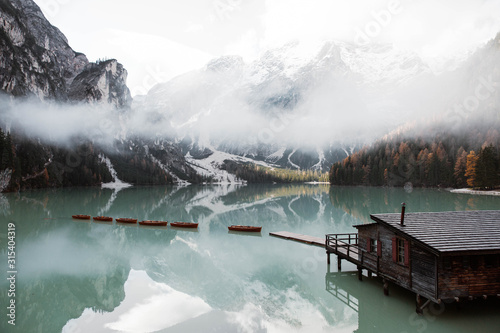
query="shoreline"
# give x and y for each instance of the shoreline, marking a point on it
(475, 192)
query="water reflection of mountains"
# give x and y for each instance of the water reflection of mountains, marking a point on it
(104, 254)
(207, 202)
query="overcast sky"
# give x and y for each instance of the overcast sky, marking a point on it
(158, 39)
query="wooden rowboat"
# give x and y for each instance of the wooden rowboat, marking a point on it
(103, 218)
(125, 220)
(81, 217)
(246, 228)
(154, 223)
(184, 224)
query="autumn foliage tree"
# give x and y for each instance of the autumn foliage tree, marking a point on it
(470, 169)
(440, 161)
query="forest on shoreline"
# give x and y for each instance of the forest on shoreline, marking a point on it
(469, 160)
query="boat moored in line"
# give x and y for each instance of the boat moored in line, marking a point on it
(184, 224)
(126, 220)
(81, 217)
(153, 223)
(247, 228)
(103, 218)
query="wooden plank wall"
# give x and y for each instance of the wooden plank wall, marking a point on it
(473, 276)
(399, 273)
(423, 271)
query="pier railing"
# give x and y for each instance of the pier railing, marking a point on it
(346, 244)
(346, 247)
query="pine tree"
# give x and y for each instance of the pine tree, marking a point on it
(486, 168)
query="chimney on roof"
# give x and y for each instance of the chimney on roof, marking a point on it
(403, 206)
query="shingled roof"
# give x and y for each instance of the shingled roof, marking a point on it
(449, 232)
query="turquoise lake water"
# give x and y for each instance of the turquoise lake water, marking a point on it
(85, 276)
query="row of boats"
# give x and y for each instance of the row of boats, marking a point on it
(192, 225)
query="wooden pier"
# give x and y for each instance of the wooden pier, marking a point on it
(311, 240)
(345, 246)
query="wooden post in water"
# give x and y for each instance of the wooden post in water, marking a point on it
(419, 304)
(360, 273)
(386, 287)
(339, 263)
(328, 258)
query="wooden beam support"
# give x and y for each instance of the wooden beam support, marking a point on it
(339, 264)
(386, 287)
(360, 273)
(421, 305)
(328, 257)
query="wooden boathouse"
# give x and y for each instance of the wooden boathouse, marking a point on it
(443, 256)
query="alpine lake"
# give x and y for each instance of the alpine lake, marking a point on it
(87, 276)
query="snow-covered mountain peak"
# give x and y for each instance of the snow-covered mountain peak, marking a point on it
(225, 63)
(383, 63)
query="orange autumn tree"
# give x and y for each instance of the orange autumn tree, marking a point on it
(470, 169)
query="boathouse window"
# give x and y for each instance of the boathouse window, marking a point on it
(373, 245)
(400, 251)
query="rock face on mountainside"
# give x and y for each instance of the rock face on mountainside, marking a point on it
(36, 60)
(103, 82)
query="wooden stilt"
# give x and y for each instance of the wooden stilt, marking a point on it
(370, 274)
(328, 257)
(360, 273)
(386, 287)
(339, 263)
(421, 305)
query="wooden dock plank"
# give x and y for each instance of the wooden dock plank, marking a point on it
(311, 240)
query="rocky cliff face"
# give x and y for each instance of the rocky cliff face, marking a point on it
(36, 60)
(103, 82)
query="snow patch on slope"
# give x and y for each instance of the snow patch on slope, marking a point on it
(116, 183)
(277, 155)
(211, 166)
(176, 179)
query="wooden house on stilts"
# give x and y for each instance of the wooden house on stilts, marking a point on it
(443, 256)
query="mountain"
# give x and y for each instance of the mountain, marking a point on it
(303, 106)
(36, 60)
(62, 116)
(456, 147)
(298, 106)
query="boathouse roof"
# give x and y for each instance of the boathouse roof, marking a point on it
(449, 232)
